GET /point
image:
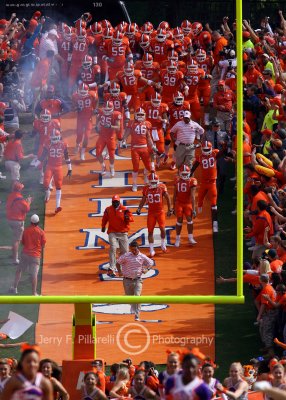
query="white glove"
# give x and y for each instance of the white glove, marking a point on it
(37, 163)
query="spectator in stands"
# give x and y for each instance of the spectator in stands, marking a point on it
(223, 104)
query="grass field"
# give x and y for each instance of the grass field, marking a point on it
(236, 336)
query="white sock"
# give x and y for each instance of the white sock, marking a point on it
(178, 237)
(163, 242)
(190, 236)
(134, 177)
(48, 194)
(82, 150)
(151, 245)
(58, 197)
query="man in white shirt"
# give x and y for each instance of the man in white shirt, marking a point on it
(184, 134)
(132, 265)
(48, 42)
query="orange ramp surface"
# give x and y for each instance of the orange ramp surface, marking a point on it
(73, 263)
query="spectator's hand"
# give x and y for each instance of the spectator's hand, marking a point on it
(103, 229)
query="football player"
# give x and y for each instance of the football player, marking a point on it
(154, 194)
(53, 153)
(107, 125)
(141, 144)
(207, 161)
(184, 202)
(84, 102)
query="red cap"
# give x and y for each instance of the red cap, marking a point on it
(37, 14)
(267, 132)
(18, 186)
(116, 198)
(221, 83)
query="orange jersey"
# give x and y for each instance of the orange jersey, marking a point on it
(65, 48)
(151, 73)
(108, 120)
(134, 41)
(206, 65)
(53, 105)
(171, 83)
(155, 198)
(183, 46)
(45, 129)
(160, 49)
(192, 81)
(183, 189)
(208, 166)
(129, 82)
(85, 104)
(117, 53)
(99, 44)
(80, 50)
(176, 113)
(118, 101)
(89, 75)
(154, 114)
(55, 153)
(139, 131)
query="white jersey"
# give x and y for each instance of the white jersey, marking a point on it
(30, 391)
(184, 392)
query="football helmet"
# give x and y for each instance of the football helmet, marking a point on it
(146, 29)
(197, 28)
(108, 108)
(201, 55)
(130, 31)
(87, 62)
(96, 28)
(178, 33)
(186, 26)
(128, 69)
(117, 38)
(140, 115)
(178, 99)
(80, 24)
(45, 116)
(147, 60)
(55, 136)
(156, 100)
(163, 25)
(161, 35)
(67, 33)
(172, 67)
(135, 26)
(105, 24)
(114, 89)
(207, 148)
(192, 67)
(144, 41)
(184, 172)
(173, 56)
(153, 180)
(81, 34)
(107, 33)
(83, 89)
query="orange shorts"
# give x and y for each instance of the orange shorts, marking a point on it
(138, 154)
(153, 218)
(207, 188)
(56, 173)
(110, 143)
(182, 209)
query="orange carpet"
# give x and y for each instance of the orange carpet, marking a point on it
(76, 252)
